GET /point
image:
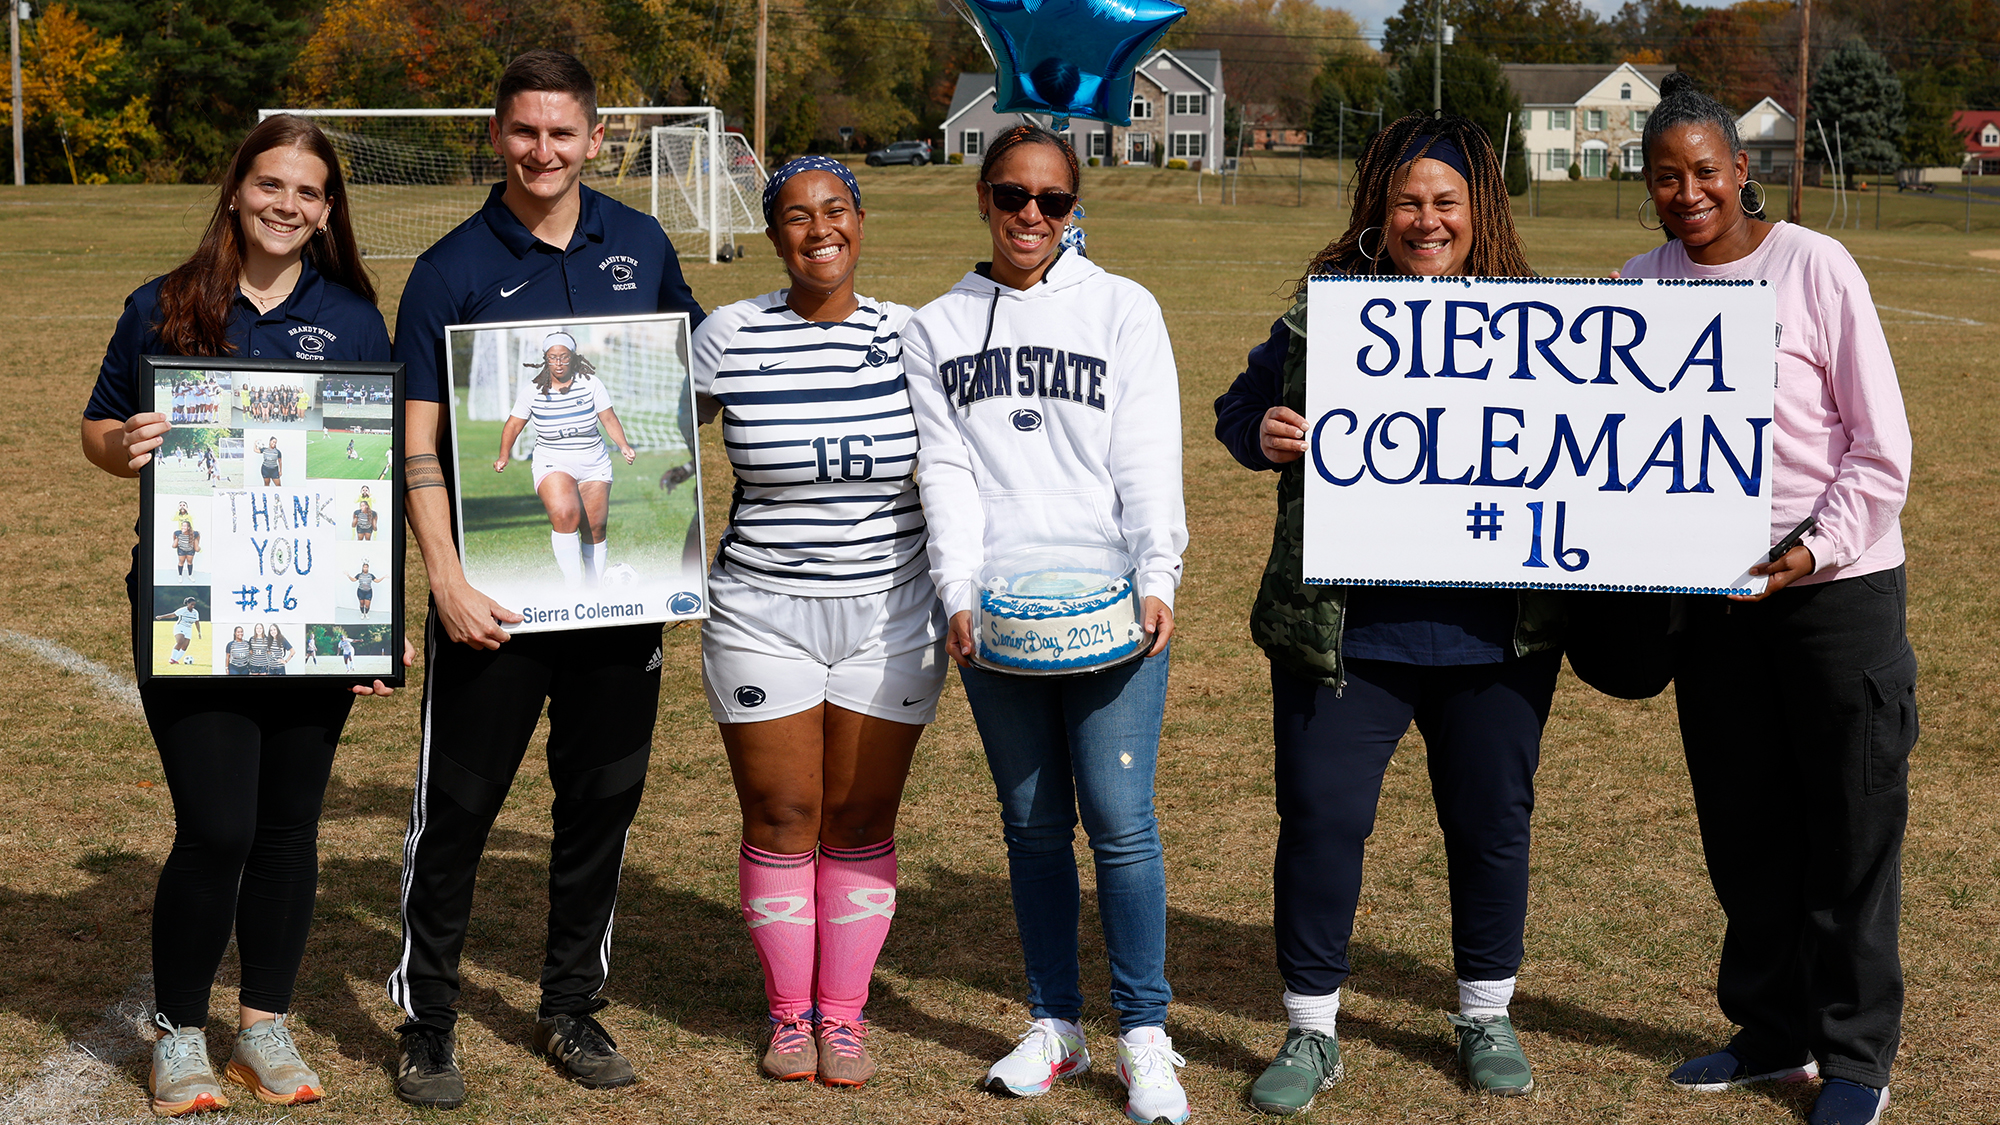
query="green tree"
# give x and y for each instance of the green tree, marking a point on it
(82, 123)
(208, 66)
(1856, 90)
(1930, 134)
(1515, 31)
(1358, 84)
(1475, 87)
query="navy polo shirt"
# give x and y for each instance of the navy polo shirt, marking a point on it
(346, 327)
(492, 268)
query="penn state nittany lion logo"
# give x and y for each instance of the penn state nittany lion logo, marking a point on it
(312, 344)
(876, 356)
(683, 603)
(1026, 420)
(749, 696)
(620, 272)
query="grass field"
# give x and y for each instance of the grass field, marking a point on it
(199, 649)
(1622, 936)
(326, 455)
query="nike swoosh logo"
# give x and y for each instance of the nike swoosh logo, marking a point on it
(516, 289)
(914, 702)
(768, 366)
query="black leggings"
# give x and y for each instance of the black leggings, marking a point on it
(248, 770)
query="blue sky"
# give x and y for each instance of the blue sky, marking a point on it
(1371, 13)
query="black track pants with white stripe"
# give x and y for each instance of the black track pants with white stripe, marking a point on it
(480, 709)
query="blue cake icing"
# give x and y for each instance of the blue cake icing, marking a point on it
(1047, 632)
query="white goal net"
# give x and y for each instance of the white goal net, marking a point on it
(414, 174)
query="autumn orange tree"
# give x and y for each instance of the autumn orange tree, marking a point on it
(81, 123)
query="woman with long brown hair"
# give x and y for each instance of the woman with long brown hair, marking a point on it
(247, 765)
(1351, 667)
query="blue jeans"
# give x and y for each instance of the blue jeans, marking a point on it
(1060, 746)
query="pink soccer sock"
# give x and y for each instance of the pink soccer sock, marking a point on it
(776, 893)
(857, 894)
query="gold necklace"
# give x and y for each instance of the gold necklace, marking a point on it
(265, 302)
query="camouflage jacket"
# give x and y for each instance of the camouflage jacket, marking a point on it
(1298, 625)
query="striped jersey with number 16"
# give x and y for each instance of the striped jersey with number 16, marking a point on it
(565, 420)
(816, 420)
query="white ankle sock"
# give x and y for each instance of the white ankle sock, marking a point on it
(568, 549)
(1312, 1013)
(594, 557)
(1485, 997)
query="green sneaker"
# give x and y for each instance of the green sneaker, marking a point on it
(183, 1080)
(1491, 1055)
(1308, 1063)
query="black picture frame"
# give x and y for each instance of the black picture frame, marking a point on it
(331, 516)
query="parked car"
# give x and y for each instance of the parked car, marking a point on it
(914, 153)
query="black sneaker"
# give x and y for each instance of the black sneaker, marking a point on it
(428, 1073)
(584, 1051)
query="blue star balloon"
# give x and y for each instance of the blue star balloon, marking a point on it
(1068, 58)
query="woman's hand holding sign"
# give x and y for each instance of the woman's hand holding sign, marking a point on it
(1282, 437)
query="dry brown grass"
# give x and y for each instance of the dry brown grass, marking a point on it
(1621, 941)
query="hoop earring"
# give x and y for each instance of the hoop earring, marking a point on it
(1657, 222)
(1762, 197)
(1361, 244)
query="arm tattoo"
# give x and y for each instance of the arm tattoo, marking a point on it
(421, 470)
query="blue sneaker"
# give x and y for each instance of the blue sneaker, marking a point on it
(1725, 1069)
(1842, 1102)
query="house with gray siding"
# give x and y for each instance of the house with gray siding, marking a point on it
(1177, 102)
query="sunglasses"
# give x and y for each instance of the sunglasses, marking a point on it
(1014, 197)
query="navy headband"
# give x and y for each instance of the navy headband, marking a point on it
(1443, 149)
(806, 164)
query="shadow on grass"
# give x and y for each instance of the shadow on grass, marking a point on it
(686, 960)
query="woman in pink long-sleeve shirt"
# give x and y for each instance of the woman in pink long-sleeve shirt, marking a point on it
(1798, 705)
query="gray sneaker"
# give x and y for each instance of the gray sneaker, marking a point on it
(267, 1063)
(183, 1081)
(584, 1051)
(427, 1074)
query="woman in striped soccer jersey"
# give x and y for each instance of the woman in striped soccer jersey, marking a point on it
(186, 543)
(187, 625)
(823, 655)
(364, 588)
(273, 467)
(260, 652)
(281, 651)
(239, 654)
(566, 401)
(364, 521)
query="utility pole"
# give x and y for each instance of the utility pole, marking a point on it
(14, 56)
(1437, 62)
(1799, 130)
(763, 43)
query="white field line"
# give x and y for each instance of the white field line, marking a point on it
(118, 686)
(1931, 265)
(71, 1080)
(1932, 316)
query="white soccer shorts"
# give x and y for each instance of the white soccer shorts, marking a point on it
(766, 655)
(581, 465)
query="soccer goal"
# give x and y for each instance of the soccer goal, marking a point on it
(414, 174)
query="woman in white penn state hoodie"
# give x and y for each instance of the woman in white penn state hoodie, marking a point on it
(1048, 412)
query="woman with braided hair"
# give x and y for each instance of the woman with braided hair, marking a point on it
(572, 471)
(1351, 667)
(1808, 774)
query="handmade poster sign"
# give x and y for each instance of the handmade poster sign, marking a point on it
(271, 530)
(578, 489)
(1558, 432)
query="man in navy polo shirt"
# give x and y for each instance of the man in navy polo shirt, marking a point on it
(539, 249)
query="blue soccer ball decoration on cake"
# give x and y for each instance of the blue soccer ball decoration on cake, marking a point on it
(1068, 58)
